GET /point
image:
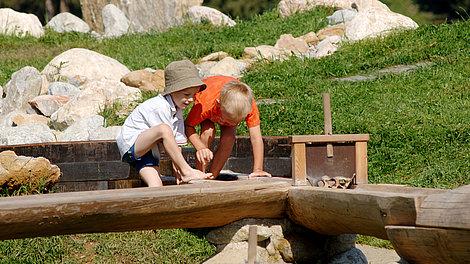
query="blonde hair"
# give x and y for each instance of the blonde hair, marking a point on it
(236, 99)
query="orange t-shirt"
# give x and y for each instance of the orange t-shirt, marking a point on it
(206, 106)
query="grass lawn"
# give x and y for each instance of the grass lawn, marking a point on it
(419, 121)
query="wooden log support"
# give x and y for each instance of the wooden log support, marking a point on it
(299, 164)
(192, 205)
(327, 121)
(335, 211)
(252, 244)
(361, 162)
(446, 210)
(425, 245)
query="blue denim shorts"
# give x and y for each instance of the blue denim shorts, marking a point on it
(147, 160)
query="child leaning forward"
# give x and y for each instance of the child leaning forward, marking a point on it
(160, 120)
(227, 102)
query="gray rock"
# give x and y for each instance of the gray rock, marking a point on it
(341, 16)
(94, 97)
(19, 24)
(48, 104)
(228, 66)
(66, 22)
(352, 256)
(115, 21)
(327, 47)
(81, 130)
(205, 67)
(85, 65)
(198, 14)
(372, 23)
(63, 88)
(24, 85)
(105, 133)
(26, 134)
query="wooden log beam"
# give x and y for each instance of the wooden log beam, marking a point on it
(193, 205)
(336, 138)
(424, 245)
(367, 212)
(446, 210)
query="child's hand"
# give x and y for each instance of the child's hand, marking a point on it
(204, 155)
(259, 173)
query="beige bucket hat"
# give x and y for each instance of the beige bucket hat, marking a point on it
(180, 75)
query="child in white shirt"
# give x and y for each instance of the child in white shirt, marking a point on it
(160, 120)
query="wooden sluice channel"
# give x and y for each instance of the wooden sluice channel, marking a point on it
(424, 225)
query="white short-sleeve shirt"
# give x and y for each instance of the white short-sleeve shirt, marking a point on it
(154, 111)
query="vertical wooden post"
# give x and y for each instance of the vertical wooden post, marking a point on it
(327, 122)
(299, 164)
(252, 244)
(361, 162)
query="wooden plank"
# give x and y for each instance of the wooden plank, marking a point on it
(446, 210)
(430, 245)
(93, 171)
(125, 184)
(197, 205)
(327, 122)
(336, 138)
(361, 162)
(335, 211)
(252, 244)
(80, 186)
(299, 165)
(396, 188)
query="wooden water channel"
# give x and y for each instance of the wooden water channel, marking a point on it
(98, 194)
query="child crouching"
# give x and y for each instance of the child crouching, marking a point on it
(227, 102)
(160, 120)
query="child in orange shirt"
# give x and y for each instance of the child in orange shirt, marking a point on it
(225, 101)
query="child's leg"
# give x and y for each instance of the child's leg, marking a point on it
(207, 136)
(147, 139)
(151, 176)
(227, 140)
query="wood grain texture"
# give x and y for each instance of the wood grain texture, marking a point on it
(334, 211)
(424, 245)
(299, 164)
(329, 138)
(446, 210)
(192, 205)
(361, 162)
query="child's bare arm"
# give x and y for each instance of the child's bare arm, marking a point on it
(203, 153)
(258, 152)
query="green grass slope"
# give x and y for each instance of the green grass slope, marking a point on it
(419, 121)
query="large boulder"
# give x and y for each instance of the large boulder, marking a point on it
(66, 22)
(144, 15)
(19, 24)
(24, 85)
(85, 65)
(289, 7)
(115, 22)
(374, 22)
(198, 14)
(35, 173)
(94, 98)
